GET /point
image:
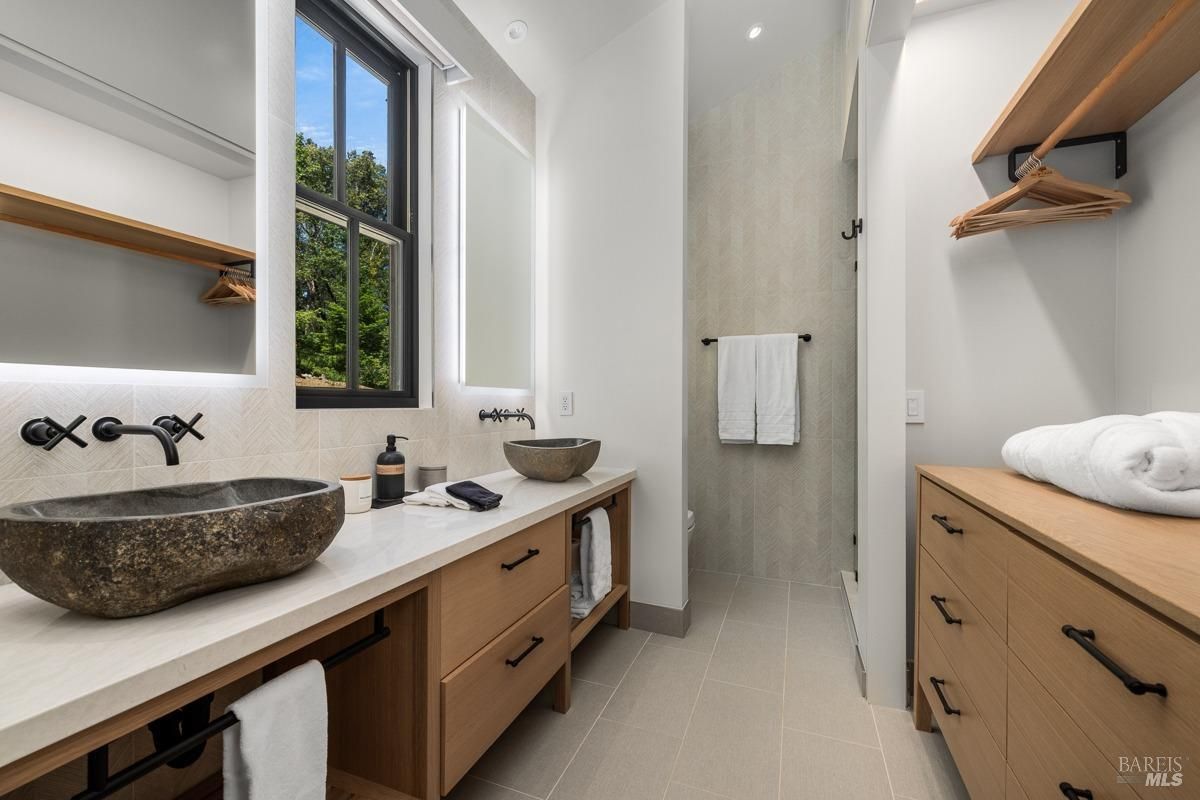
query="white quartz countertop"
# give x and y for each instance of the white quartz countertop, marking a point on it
(62, 672)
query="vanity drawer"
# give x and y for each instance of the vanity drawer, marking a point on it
(1014, 790)
(483, 696)
(487, 591)
(979, 761)
(970, 546)
(975, 651)
(1047, 749)
(1046, 594)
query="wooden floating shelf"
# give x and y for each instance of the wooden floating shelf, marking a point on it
(1094, 38)
(580, 628)
(69, 219)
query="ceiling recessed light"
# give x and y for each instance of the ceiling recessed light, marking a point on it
(517, 30)
(754, 32)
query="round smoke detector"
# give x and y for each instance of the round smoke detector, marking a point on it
(517, 31)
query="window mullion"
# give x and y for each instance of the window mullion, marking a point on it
(352, 289)
(339, 122)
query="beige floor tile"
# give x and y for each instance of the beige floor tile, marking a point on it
(617, 762)
(919, 763)
(816, 768)
(818, 595)
(760, 601)
(732, 744)
(535, 750)
(711, 587)
(606, 653)
(659, 691)
(822, 697)
(702, 635)
(678, 791)
(750, 655)
(470, 788)
(821, 630)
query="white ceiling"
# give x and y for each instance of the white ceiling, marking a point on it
(927, 7)
(562, 33)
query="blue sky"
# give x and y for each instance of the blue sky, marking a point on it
(366, 96)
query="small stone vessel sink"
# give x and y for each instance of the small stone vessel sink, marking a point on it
(552, 459)
(132, 553)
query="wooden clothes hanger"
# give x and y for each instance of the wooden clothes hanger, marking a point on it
(1064, 200)
(230, 289)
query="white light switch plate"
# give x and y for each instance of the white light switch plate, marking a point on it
(566, 404)
(914, 413)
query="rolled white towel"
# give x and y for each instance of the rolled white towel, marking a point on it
(1149, 463)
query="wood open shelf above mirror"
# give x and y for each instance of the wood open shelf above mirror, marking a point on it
(70, 219)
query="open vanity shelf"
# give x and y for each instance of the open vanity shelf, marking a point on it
(618, 516)
(1097, 36)
(70, 219)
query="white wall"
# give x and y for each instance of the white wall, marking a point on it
(612, 203)
(1158, 362)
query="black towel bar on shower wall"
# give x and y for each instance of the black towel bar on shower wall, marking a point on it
(100, 784)
(804, 337)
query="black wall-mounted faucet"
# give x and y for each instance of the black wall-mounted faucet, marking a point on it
(499, 415)
(109, 429)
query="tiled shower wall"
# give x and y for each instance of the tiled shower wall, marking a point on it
(768, 194)
(258, 432)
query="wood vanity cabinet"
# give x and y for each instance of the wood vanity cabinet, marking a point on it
(1057, 640)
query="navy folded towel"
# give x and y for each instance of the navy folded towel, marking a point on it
(479, 498)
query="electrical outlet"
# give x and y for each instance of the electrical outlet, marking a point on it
(566, 404)
(914, 412)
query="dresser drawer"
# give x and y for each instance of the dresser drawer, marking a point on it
(979, 761)
(970, 546)
(483, 696)
(975, 651)
(1014, 790)
(1045, 594)
(488, 591)
(1046, 749)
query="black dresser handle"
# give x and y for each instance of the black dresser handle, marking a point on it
(1086, 640)
(1071, 793)
(938, 601)
(937, 687)
(940, 519)
(513, 662)
(533, 551)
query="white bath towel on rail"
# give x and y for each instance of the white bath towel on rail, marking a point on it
(778, 394)
(736, 358)
(1149, 463)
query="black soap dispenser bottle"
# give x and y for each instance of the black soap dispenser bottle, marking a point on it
(389, 474)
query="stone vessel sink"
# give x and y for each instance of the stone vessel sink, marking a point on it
(552, 459)
(131, 553)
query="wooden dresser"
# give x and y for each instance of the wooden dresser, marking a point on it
(1057, 640)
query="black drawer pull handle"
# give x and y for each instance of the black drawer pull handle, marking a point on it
(937, 687)
(513, 662)
(1086, 640)
(938, 601)
(533, 551)
(940, 519)
(1071, 793)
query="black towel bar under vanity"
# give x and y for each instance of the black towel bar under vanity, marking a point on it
(804, 337)
(187, 747)
(609, 506)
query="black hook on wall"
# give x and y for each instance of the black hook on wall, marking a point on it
(856, 228)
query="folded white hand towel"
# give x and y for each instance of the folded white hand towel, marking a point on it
(279, 748)
(778, 389)
(735, 389)
(437, 495)
(582, 602)
(1149, 463)
(599, 574)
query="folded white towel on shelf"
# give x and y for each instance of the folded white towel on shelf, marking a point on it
(1149, 463)
(736, 359)
(279, 748)
(778, 389)
(581, 599)
(437, 495)
(598, 578)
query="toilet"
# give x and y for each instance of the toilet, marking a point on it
(691, 525)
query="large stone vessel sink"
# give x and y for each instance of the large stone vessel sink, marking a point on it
(131, 553)
(552, 459)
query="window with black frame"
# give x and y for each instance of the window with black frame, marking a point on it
(356, 276)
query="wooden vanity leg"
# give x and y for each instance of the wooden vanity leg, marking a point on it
(922, 712)
(621, 556)
(562, 688)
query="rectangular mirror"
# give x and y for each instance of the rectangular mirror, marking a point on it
(497, 257)
(128, 185)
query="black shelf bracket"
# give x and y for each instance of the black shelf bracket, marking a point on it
(1120, 140)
